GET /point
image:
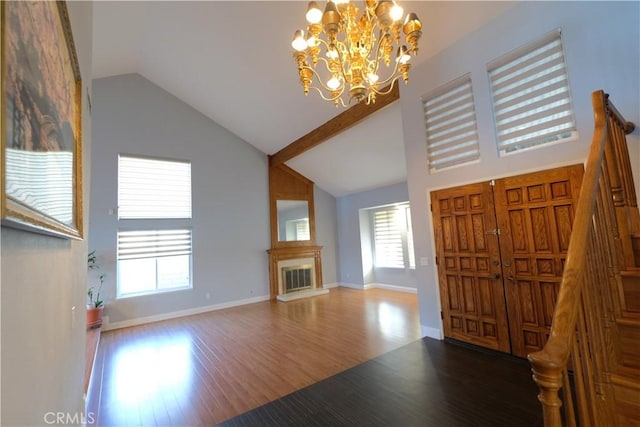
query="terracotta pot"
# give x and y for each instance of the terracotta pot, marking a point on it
(94, 317)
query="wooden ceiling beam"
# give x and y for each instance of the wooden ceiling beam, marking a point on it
(331, 128)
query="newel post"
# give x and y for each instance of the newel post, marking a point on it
(549, 380)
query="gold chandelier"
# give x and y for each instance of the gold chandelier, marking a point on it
(355, 49)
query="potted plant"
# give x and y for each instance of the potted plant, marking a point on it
(96, 304)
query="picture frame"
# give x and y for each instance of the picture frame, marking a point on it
(41, 120)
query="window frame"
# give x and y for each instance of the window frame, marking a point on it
(155, 223)
(517, 62)
(406, 236)
(445, 114)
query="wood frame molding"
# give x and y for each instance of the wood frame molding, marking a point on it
(334, 126)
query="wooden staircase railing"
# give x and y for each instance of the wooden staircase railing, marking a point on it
(583, 353)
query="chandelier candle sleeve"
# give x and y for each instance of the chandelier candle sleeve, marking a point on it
(346, 55)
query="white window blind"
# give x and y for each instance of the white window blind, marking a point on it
(450, 122)
(302, 229)
(388, 239)
(152, 188)
(153, 243)
(531, 97)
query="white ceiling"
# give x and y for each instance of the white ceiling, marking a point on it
(232, 61)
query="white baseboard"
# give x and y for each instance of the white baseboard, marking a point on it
(378, 286)
(107, 326)
(351, 285)
(430, 332)
(330, 285)
(392, 287)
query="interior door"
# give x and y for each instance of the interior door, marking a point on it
(468, 258)
(535, 215)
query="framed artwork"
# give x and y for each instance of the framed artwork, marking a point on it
(41, 120)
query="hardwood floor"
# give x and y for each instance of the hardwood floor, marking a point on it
(205, 369)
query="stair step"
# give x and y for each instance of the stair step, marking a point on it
(627, 392)
(629, 334)
(635, 245)
(631, 289)
(630, 272)
(627, 377)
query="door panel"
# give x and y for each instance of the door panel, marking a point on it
(471, 290)
(535, 215)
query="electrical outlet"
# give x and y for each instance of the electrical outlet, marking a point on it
(424, 261)
(207, 295)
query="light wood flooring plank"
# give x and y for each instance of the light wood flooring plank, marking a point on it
(207, 368)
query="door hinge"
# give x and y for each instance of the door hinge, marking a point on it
(436, 260)
(495, 232)
(441, 315)
(492, 183)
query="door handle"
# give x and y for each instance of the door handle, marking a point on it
(495, 276)
(511, 278)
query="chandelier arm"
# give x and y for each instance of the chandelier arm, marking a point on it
(391, 77)
(385, 92)
(378, 57)
(344, 75)
(322, 84)
(332, 99)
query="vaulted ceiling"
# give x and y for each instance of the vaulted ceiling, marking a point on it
(232, 61)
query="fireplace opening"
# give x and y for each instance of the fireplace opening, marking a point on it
(297, 277)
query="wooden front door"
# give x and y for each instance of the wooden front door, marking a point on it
(535, 214)
(500, 252)
(468, 258)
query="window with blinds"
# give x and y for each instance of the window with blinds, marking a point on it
(153, 261)
(531, 98)
(153, 188)
(151, 258)
(450, 124)
(392, 235)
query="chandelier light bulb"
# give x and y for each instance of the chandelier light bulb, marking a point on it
(299, 42)
(314, 14)
(403, 55)
(396, 12)
(332, 54)
(373, 78)
(333, 83)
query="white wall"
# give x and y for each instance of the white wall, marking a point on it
(43, 280)
(356, 266)
(230, 197)
(601, 41)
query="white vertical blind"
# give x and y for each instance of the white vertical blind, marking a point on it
(450, 124)
(531, 97)
(153, 188)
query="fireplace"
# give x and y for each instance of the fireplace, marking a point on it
(297, 278)
(295, 273)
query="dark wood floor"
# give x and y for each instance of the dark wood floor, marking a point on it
(350, 357)
(425, 383)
